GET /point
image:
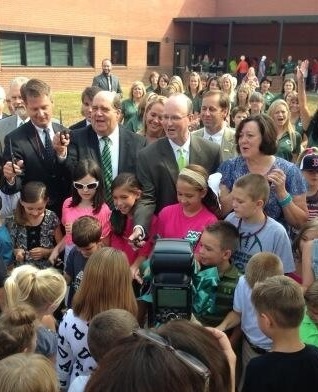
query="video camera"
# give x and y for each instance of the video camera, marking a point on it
(172, 265)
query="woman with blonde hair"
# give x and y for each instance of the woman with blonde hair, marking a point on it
(43, 290)
(152, 120)
(25, 372)
(228, 86)
(106, 284)
(288, 140)
(130, 106)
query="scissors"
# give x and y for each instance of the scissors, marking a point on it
(64, 131)
(13, 158)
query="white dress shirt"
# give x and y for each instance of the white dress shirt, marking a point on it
(185, 149)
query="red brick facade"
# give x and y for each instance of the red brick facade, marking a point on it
(141, 21)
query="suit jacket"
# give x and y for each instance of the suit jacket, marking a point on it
(85, 145)
(26, 145)
(7, 125)
(101, 82)
(228, 144)
(79, 125)
(157, 170)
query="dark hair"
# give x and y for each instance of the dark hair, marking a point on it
(131, 183)
(90, 92)
(136, 363)
(166, 78)
(292, 81)
(268, 132)
(86, 230)
(239, 109)
(83, 168)
(224, 99)
(267, 79)
(106, 328)
(211, 78)
(35, 88)
(31, 192)
(227, 234)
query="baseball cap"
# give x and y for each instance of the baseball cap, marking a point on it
(309, 162)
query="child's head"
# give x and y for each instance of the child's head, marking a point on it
(88, 184)
(43, 289)
(218, 242)
(308, 232)
(250, 194)
(238, 114)
(308, 164)
(86, 234)
(311, 299)
(280, 299)
(193, 191)
(32, 203)
(26, 372)
(256, 103)
(126, 191)
(17, 330)
(109, 269)
(106, 328)
(261, 266)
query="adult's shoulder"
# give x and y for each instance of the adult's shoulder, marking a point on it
(126, 134)
(286, 166)
(81, 133)
(153, 148)
(204, 144)
(232, 163)
(198, 132)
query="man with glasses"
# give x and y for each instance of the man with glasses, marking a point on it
(112, 146)
(158, 164)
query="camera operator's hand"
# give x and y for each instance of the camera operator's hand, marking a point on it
(135, 273)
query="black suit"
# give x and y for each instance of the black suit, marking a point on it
(27, 145)
(157, 170)
(79, 125)
(85, 145)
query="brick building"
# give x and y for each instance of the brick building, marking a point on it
(63, 42)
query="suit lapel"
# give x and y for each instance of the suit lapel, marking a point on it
(93, 145)
(195, 150)
(34, 139)
(168, 158)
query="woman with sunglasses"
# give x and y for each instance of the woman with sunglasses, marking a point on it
(87, 199)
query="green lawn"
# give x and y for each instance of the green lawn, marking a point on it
(70, 105)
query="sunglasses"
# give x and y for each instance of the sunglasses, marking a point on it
(90, 186)
(188, 359)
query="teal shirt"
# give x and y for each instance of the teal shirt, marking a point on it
(128, 108)
(286, 146)
(308, 331)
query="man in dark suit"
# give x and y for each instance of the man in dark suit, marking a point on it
(30, 144)
(87, 99)
(157, 165)
(106, 80)
(88, 143)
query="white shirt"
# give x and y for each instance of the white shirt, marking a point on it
(185, 149)
(216, 137)
(20, 121)
(42, 134)
(114, 149)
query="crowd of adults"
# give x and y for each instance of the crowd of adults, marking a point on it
(229, 123)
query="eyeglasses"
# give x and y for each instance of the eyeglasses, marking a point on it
(188, 359)
(173, 118)
(90, 186)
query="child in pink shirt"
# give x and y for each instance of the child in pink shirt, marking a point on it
(126, 191)
(87, 199)
(196, 209)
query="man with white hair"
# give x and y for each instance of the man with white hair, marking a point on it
(2, 102)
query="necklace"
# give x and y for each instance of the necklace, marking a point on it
(251, 234)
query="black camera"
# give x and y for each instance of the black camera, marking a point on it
(172, 265)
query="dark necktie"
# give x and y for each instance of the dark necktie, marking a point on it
(107, 171)
(109, 83)
(49, 153)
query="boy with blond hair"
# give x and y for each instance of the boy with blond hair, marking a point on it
(258, 232)
(255, 343)
(291, 365)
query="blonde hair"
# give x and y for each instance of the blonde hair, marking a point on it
(137, 83)
(38, 288)
(288, 126)
(282, 298)
(25, 372)
(154, 99)
(261, 266)
(106, 284)
(17, 330)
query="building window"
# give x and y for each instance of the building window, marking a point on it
(153, 51)
(119, 52)
(40, 50)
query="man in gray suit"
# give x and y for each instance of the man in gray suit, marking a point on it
(20, 115)
(157, 164)
(214, 111)
(106, 80)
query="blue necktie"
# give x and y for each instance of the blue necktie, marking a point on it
(49, 153)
